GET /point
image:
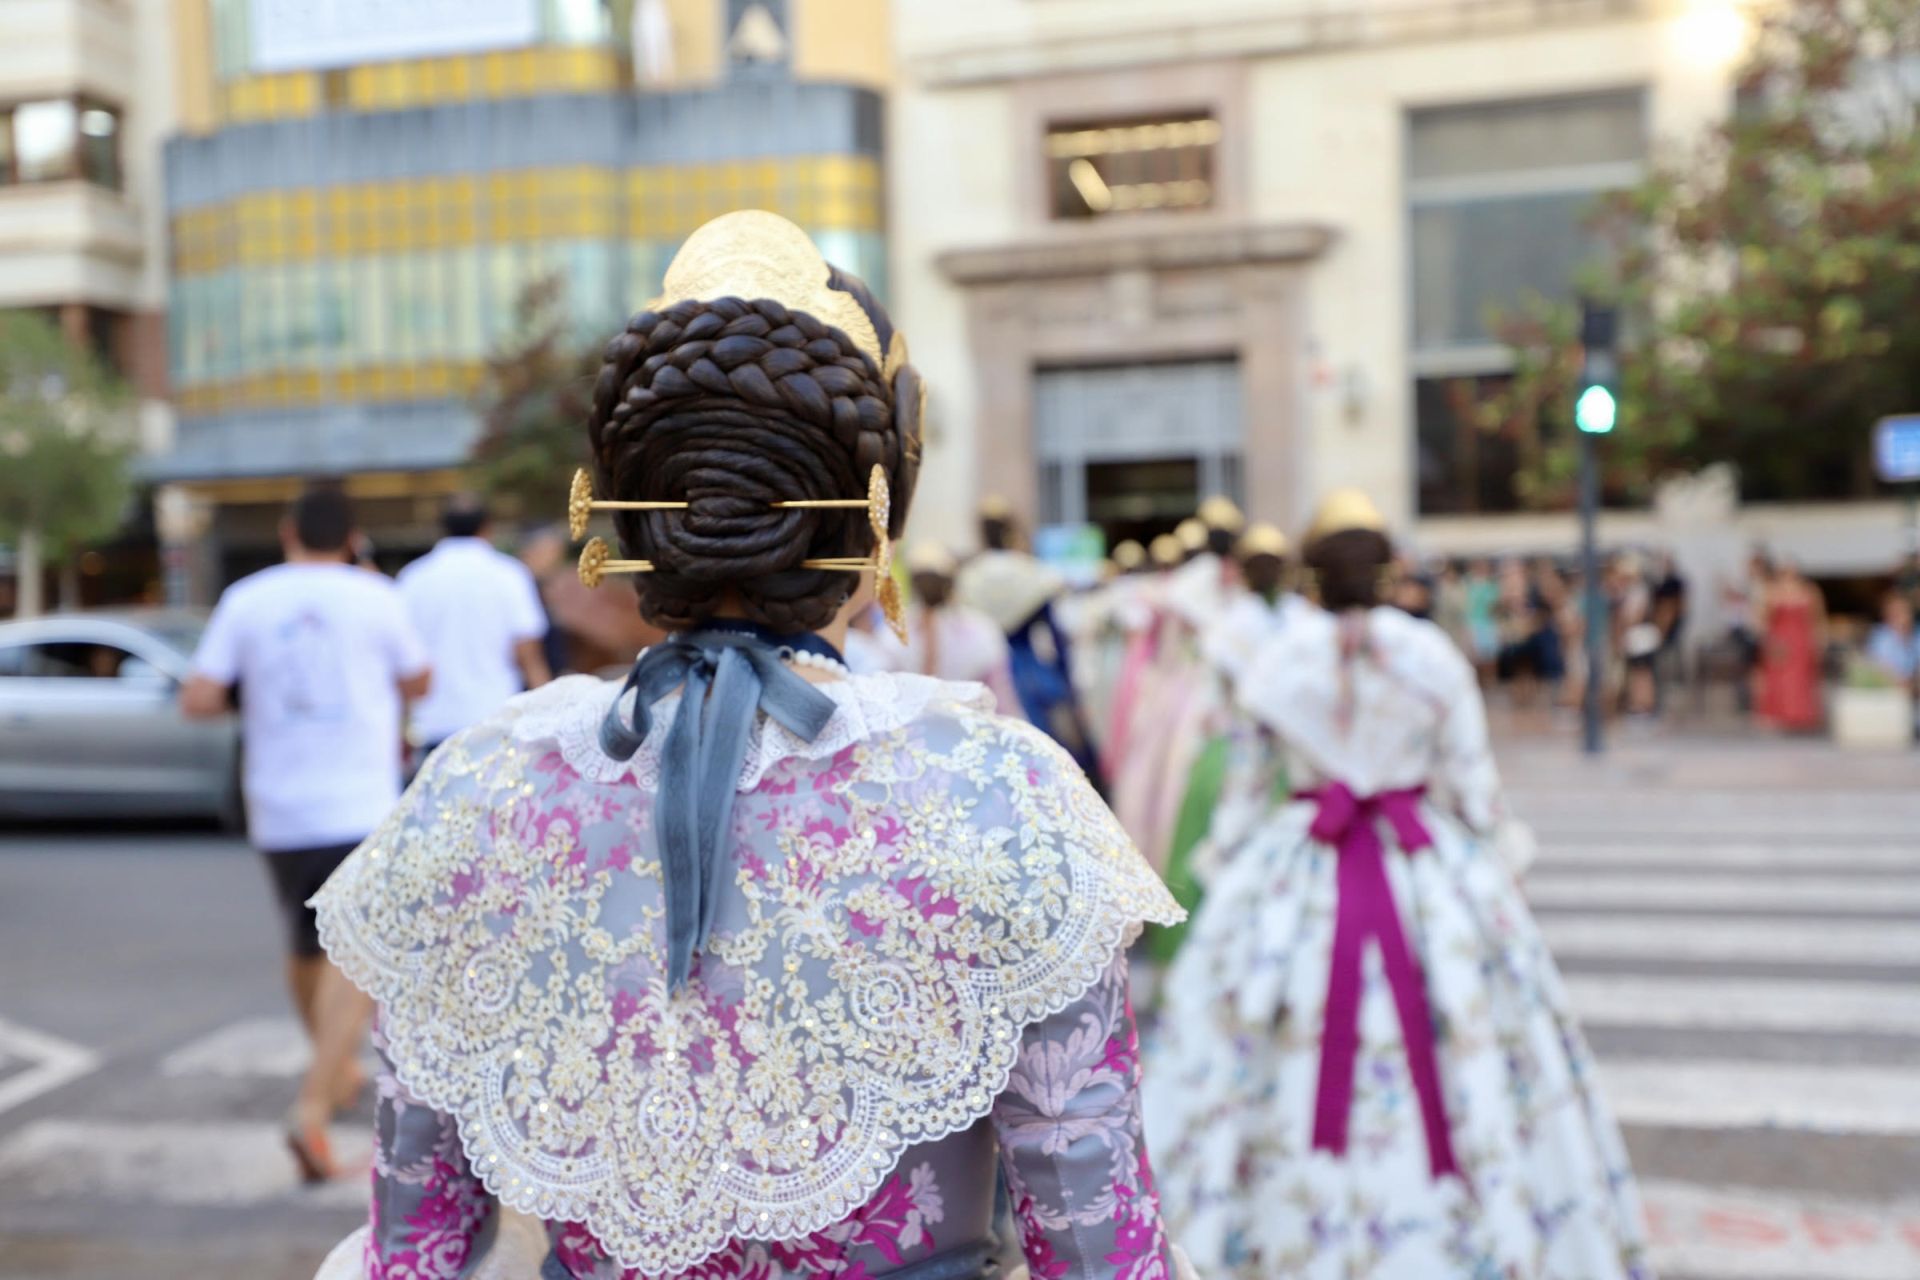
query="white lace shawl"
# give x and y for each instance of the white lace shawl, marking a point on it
(912, 890)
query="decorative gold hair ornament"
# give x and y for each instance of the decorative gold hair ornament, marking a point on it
(1262, 540)
(597, 559)
(1129, 555)
(1192, 535)
(1222, 514)
(755, 254)
(1343, 511)
(933, 559)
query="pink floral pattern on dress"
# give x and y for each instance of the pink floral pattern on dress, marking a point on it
(1071, 1118)
(1068, 1126)
(428, 1208)
(892, 1227)
(524, 902)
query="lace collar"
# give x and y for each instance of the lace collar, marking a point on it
(566, 715)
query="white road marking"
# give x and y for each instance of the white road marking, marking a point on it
(1656, 938)
(202, 1163)
(1745, 1004)
(1732, 855)
(1762, 1235)
(1695, 1094)
(250, 1047)
(53, 1063)
(1549, 886)
(1627, 822)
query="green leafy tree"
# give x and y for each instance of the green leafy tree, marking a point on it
(1769, 278)
(533, 404)
(66, 440)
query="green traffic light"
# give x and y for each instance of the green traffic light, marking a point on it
(1594, 411)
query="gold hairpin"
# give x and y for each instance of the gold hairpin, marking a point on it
(581, 504)
(597, 559)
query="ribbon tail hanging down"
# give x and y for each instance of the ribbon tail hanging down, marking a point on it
(1365, 911)
(725, 680)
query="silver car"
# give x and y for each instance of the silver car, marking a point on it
(89, 721)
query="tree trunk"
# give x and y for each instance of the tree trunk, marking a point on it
(28, 600)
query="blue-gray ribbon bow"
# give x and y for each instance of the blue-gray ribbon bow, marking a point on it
(726, 679)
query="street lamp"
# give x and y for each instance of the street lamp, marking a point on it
(1594, 412)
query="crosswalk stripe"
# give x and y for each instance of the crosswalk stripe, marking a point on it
(249, 1047)
(1745, 1004)
(1655, 938)
(1631, 826)
(1736, 1234)
(202, 1163)
(1811, 894)
(52, 1062)
(1740, 855)
(1694, 1093)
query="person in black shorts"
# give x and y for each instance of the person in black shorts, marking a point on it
(327, 657)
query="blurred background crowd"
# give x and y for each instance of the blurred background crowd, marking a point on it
(246, 243)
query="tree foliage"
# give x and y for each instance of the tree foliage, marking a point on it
(533, 405)
(1769, 277)
(66, 439)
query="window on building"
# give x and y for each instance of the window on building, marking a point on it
(1108, 167)
(1135, 448)
(579, 21)
(757, 39)
(99, 145)
(59, 139)
(1498, 196)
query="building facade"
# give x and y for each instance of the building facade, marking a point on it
(1147, 250)
(361, 195)
(85, 94)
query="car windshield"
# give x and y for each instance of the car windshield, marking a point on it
(179, 633)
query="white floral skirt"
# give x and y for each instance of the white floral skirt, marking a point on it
(1233, 1069)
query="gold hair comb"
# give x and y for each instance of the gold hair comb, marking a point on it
(597, 559)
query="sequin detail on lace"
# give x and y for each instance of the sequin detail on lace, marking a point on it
(905, 905)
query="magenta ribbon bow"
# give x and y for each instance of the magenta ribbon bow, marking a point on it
(1350, 824)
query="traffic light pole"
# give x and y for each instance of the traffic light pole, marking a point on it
(1593, 415)
(1592, 605)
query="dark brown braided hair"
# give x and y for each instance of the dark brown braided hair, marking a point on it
(730, 405)
(1347, 566)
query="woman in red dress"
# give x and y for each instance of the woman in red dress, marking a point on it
(1794, 617)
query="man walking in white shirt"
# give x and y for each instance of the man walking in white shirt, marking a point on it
(480, 614)
(324, 657)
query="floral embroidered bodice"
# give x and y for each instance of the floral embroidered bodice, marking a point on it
(1380, 701)
(921, 951)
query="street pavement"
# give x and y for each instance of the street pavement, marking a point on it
(1736, 924)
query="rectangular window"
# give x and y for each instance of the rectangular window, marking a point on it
(60, 139)
(100, 145)
(1135, 448)
(1498, 200)
(44, 135)
(1107, 167)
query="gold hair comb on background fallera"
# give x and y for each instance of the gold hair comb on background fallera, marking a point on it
(597, 558)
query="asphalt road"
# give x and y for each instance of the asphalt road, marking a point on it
(1737, 926)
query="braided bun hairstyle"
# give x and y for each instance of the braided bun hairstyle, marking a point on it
(731, 405)
(1347, 565)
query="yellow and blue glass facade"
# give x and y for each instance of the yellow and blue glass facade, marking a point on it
(349, 245)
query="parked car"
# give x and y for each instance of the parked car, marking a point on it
(90, 722)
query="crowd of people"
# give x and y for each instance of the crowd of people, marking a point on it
(1301, 754)
(807, 949)
(1522, 622)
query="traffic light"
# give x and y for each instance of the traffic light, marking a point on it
(1595, 410)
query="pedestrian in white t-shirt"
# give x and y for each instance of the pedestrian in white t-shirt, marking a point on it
(480, 614)
(324, 657)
